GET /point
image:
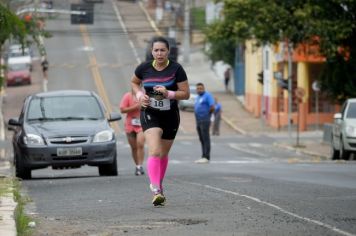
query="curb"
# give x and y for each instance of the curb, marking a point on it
(7, 221)
(7, 203)
(301, 150)
(232, 125)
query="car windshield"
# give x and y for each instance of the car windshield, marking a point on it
(64, 108)
(351, 111)
(18, 66)
(19, 53)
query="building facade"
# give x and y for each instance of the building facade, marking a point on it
(267, 96)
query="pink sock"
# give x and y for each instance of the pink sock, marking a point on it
(164, 164)
(153, 170)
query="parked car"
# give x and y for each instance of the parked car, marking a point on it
(64, 129)
(173, 49)
(19, 55)
(189, 103)
(17, 74)
(343, 139)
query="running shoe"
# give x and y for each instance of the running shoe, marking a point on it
(158, 200)
(202, 160)
(139, 171)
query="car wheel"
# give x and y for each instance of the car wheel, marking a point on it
(344, 154)
(334, 154)
(108, 169)
(21, 170)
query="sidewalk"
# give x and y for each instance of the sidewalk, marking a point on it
(7, 203)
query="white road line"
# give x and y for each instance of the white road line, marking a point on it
(246, 150)
(118, 15)
(325, 225)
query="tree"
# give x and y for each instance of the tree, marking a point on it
(11, 26)
(328, 24)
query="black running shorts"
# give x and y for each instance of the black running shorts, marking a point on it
(168, 121)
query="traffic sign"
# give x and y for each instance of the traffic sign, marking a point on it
(299, 93)
(316, 86)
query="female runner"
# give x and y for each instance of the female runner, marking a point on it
(164, 83)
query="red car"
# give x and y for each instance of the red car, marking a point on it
(18, 74)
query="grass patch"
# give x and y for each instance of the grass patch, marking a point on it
(12, 186)
(5, 186)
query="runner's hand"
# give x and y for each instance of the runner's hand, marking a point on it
(161, 89)
(144, 101)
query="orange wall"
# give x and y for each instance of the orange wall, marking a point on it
(306, 119)
(253, 104)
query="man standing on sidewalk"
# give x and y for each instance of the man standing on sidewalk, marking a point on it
(203, 108)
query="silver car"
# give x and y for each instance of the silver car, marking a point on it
(64, 129)
(189, 103)
(344, 131)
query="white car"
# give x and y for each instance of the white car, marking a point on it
(343, 138)
(19, 55)
(189, 103)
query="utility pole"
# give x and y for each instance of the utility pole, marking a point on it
(290, 90)
(186, 42)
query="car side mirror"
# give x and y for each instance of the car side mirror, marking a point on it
(11, 123)
(14, 122)
(114, 116)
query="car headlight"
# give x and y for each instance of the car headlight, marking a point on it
(103, 136)
(33, 139)
(350, 131)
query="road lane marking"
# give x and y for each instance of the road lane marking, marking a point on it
(309, 220)
(123, 26)
(244, 149)
(96, 74)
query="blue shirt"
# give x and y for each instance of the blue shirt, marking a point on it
(202, 106)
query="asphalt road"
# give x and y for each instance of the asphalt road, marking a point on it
(250, 187)
(252, 190)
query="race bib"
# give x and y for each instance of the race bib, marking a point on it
(162, 104)
(136, 122)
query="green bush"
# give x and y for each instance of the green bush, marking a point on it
(198, 18)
